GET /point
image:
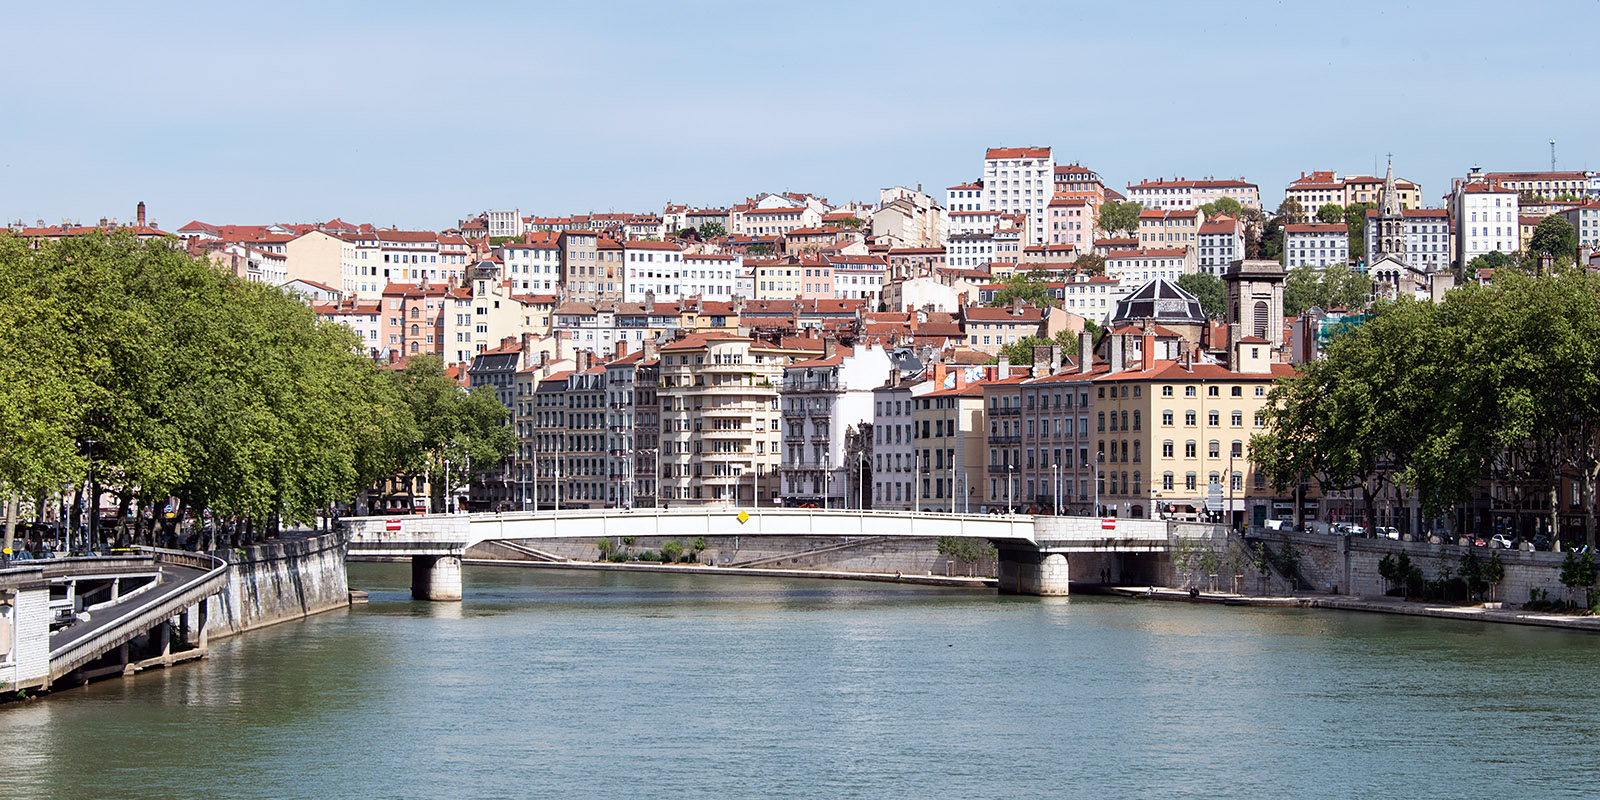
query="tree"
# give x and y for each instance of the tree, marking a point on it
(1222, 207)
(847, 222)
(1355, 224)
(1331, 213)
(1291, 212)
(712, 230)
(672, 550)
(1269, 244)
(1119, 217)
(1090, 264)
(1302, 289)
(1032, 287)
(1021, 350)
(1492, 260)
(448, 434)
(1213, 295)
(1494, 572)
(1556, 238)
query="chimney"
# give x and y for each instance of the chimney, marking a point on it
(649, 349)
(1005, 367)
(1085, 352)
(139, 213)
(1055, 359)
(830, 346)
(894, 376)
(622, 347)
(1149, 345)
(1117, 345)
(938, 375)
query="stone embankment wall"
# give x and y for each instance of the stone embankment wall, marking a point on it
(279, 581)
(1351, 565)
(839, 553)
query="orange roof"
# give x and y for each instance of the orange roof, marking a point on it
(1017, 152)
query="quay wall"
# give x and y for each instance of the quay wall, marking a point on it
(279, 581)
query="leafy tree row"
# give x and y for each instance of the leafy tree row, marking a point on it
(179, 383)
(1495, 382)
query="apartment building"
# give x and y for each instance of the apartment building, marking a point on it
(1072, 221)
(651, 271)
(822, 399)
(1316, 245)
(1485, 216)
(1171, 227)
(533, 265)
(1543, 184)
(858, 277)
(1020, 180)
(1427, 234)
(719, 418)
(948, 445)
(1585, 219)
(1132, 268)
(1182, 193)
(1313, 190)
(964, 197)
(1220, 242)
(894, 460)
(1172, 434)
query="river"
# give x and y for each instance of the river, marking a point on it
(578, 684)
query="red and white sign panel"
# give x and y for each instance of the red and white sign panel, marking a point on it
(391, 524)
(1108, 524)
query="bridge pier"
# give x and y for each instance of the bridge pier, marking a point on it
(436, 577)
(1033, 572)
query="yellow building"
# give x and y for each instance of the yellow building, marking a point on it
(1166, 434)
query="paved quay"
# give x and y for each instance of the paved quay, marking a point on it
(1378, 605)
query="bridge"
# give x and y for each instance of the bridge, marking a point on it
(1034, 551)
(79, 617)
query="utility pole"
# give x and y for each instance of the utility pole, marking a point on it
(916, 477)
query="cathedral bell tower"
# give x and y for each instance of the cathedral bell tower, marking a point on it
(1391, 238)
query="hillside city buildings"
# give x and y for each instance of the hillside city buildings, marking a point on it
(787, 349)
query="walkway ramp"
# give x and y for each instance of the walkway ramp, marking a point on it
(185, 580)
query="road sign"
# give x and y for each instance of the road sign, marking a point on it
(744, 516)
(1214, 498)
(1108, 524)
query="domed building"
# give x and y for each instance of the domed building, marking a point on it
(1165, 304)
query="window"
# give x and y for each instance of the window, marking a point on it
(1166, 391)
(1188, 418)
(1237, 391)
(1135, 419)
(1188, 391)
(1214, 418)
(1189, 481)
(1166, 418)
(1166, 449)
(1213, 391)
(1237, 449)
(1214, 449)
(1238, 419)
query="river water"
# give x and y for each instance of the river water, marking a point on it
(579, 684)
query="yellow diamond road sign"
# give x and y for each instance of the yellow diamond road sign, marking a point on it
(744, 516)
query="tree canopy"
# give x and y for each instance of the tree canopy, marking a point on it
(1031, 287)
(1222, 207)
(1500, 381)
(1090, 263)
(1290, 212)
(712, 230)
(1554, 237)
(1119, 217)
(1330, 213)
(1330, 287)
(181, 381)
(1213, 295)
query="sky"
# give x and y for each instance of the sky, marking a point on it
(419, 114)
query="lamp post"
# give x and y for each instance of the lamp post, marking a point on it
(1011, 470)
(1055, 487)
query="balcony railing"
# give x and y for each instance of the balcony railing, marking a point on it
(1011, 411)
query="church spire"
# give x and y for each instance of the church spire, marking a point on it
(1391, 198)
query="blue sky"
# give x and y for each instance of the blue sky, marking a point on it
(415, 114)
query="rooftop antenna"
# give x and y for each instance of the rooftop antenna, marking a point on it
(1552, 155)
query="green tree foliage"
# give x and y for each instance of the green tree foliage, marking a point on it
(442, 431)
(1269, 243)
(1031, 287)
(1554, 237)
(1329, 288)
(1090, 264)
(1213, 295)
(712, 230)
(1021, 350)
(1222, 207)
(847, 222)
(1331, 213)
(1497, 382)
(964, 548)
(1355, 223)
(1493, 259)
(192, 384)
(1119, 217)
(1290, 212)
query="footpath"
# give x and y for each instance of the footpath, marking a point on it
(1380, 605)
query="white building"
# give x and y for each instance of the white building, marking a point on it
(893, 476)
(533, 265)
(969, 250)
(964, 197)
(1316, 245)
(651, 269)
(1134, 268)
(858, 277)
(1485, 216)
(710, 276)
(1183, 193)
(1427, 238)
(1585, 220)
(821, 399)
(505, 223)
(1221, 242)
(1020, 180)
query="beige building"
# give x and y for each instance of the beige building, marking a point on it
(1171, 434)
(719, 419)
(316, 256)
(948, 445)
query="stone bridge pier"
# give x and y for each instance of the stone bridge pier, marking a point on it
(436, 577)
(1033, 572)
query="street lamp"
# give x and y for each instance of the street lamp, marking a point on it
(1011, 470)
(1055, 487)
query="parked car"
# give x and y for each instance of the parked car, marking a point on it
(1501, 540)
(1348, 529)
(1385, 532)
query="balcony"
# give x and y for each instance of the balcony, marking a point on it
(735, 410)
(820, 438)
(811, 386)
(1003, 441)
(1012, 411)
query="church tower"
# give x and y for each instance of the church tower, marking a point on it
(1391, 238)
